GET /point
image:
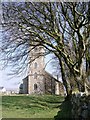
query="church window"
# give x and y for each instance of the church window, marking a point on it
(35, 65)
(35, 86)
(35, 49)
(35, 75)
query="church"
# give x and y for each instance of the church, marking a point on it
(38, 80)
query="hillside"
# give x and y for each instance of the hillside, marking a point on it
(45, 106)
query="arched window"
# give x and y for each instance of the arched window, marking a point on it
(35, 49)
(35, 86)
(35, 75)
(35, 65)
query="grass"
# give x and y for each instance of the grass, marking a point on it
(43, 106)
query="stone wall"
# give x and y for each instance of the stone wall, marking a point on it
(80, 106)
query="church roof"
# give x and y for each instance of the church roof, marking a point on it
(45, 73)
(52, 76)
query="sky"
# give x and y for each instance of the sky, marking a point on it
(12, 83)
(9, 82)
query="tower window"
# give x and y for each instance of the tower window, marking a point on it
(35, 65)
(35, 75)
(35, 86)
(35, 49)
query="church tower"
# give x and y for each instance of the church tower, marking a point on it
(36, 78)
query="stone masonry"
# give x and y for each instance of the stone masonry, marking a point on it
(80, 106)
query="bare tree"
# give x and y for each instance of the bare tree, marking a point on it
(61, 28)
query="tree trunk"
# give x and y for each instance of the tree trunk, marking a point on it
(81, 83)
(68, 91)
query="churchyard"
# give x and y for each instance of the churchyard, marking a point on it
(34, 106)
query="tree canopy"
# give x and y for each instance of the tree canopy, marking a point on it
(61, 28)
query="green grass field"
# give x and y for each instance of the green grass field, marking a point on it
(44, 106)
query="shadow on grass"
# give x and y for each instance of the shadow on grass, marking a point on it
(65, 111)
(45, 106)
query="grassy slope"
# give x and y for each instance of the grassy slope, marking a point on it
(45, 106)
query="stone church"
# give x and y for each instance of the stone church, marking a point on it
(38, 80)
